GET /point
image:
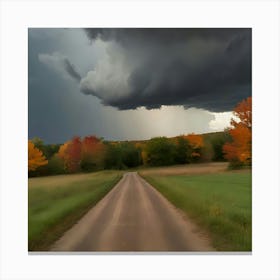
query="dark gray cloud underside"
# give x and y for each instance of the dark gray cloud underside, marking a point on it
(167, 35)
(207, 68)
(70, 69)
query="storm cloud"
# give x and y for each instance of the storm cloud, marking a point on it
(70, 69)
(61, 64)
(207, 68)
(195, 77)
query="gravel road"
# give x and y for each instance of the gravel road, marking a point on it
(133, 217)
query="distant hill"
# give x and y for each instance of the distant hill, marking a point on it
(207, 137)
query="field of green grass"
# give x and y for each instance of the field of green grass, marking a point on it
(55, 203)
(220, 203)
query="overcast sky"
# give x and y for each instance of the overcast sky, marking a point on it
(135, 83)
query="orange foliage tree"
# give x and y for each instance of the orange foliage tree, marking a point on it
(70, 152)
(92, 153)
(35, 157)
(196, 144)
(239, 151)
(87, 155)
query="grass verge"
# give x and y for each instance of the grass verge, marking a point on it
(220, 203)
(55, 203)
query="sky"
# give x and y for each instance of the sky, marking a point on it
(135, 84)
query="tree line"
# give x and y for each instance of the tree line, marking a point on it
(91, 153)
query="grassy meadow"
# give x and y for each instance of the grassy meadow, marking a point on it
(220, 203)
(55, 203)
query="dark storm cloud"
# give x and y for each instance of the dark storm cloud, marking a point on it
(56, 111)
(60, 63)
(207, 68)
(70, 69)
(163, 35)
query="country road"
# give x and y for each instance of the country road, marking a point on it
(133, 216)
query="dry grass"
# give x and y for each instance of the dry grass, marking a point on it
(58, 180)
(187, 169)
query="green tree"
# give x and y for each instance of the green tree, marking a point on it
(122, 155)
(182, 150)
(160, 151)
(218, 141)
(48, 149)
(113, 157)
(38, 143)
(130, 155)
(55, 165)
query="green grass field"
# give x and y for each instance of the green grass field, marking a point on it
(55, 203)
(220, 203)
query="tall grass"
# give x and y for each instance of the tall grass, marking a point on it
(219, 203)
(56, 203)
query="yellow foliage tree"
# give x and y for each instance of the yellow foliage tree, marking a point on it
(62, 153)
(35, 157)
(143, 152)
(62, 150)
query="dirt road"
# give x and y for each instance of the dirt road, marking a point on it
(133, 217)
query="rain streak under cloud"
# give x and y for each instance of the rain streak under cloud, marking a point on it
(135, 83)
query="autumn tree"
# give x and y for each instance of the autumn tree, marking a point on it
(92, 153)
(70, 152)
(141, 146)
(195, 144)
(144, 156)
(239, 151)
(35, 157)
(62, 153)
